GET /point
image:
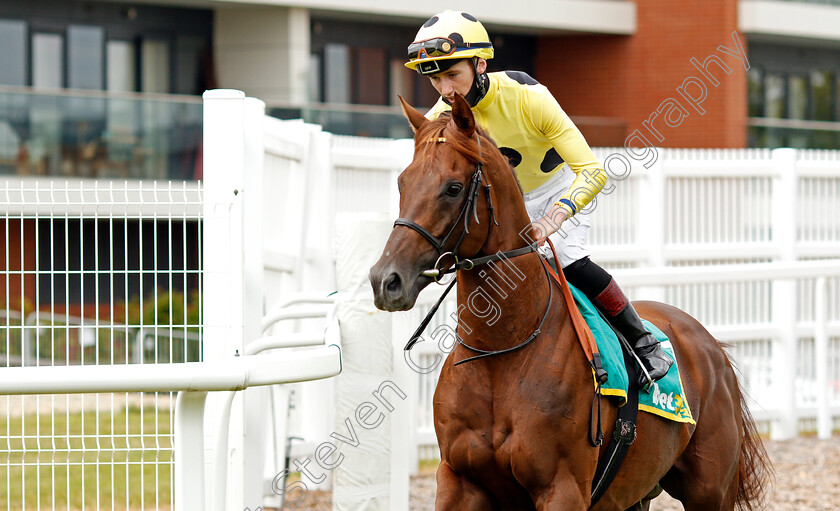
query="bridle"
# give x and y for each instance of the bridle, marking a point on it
(468, 211)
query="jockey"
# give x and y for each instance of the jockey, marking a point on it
(539, 139)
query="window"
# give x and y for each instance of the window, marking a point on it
(755, 91)
(402, 82)
(85, 60)
(789, 86)
(797, 97)
(774, 96)
(314, 82)
(822, 85)
(122, 66)
(13, 57)
(812, 95)
(370, 76)
(336, 73)
(155, 67)
(47, 60)
(837, 97)
(188, 55)
(99, 45)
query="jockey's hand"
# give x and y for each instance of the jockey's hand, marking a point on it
(549, 224)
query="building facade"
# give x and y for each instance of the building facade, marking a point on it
(724, 73)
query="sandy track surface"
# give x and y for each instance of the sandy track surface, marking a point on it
(807, 479)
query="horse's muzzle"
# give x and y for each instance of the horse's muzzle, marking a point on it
(396, 277)
(389, 292)
(395, 289)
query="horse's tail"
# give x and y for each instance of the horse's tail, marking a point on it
(755, 472)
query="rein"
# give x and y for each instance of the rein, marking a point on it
(484, 353)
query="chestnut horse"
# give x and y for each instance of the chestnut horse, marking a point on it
(513, 427)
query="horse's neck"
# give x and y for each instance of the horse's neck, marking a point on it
(500, 304)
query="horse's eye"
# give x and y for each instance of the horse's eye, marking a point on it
(454, 189)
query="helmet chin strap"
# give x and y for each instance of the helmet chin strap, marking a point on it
(479, 86)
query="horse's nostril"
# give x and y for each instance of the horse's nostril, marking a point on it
(393, 284)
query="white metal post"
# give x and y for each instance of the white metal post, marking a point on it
(189, 451)
(315, 401)
(403, 439)
(316, 270)
(651, 204)
(783, 305)
(824, 423)
(223, 239)
(248, 427)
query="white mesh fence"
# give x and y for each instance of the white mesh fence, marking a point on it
(94, 273)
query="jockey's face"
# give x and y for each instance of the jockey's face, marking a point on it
(458, 78)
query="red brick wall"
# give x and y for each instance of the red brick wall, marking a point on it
(20, 260)
(628, 77)
(18, 282)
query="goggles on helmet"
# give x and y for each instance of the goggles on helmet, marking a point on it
(439, 47)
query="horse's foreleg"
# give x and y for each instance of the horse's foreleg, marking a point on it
(565, 494)
(457, 493)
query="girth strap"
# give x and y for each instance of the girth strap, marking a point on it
(623, 436)
(625, 426)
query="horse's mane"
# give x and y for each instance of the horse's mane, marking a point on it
(466, 146)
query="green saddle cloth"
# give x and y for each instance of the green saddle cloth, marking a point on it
(666, 397)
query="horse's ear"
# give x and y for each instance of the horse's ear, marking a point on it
(462, 116)
(415, 118)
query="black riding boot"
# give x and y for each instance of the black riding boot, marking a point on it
(621, 314)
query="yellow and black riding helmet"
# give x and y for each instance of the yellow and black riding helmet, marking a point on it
(448, 36)
(444, 40)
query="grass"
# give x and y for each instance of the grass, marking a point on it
(111, 461)
(428, 466)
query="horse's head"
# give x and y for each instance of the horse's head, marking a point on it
(444, 205)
